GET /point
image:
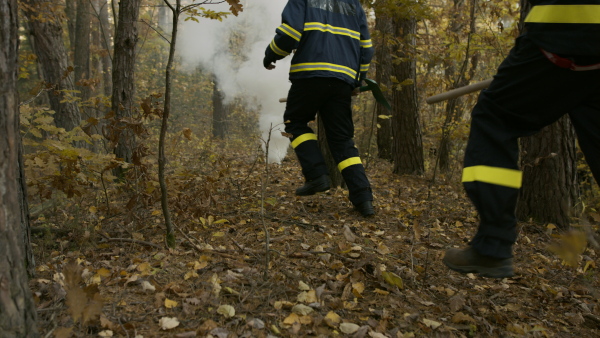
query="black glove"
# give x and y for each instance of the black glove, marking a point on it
(267, 61)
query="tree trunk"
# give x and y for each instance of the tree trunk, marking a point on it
(126, 38)
(384, 43)
(550, 188)
(220, 112)
(406, 127)
(82, 48)
(105, 37)
(17, 309)
(337, 180)
(71, 14)
(51, 54)
(549, 162)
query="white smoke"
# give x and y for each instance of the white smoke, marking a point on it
(207, 44)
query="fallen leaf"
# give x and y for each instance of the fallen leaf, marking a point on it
(357, 289)
(146, 285)
(303, 286)
(291, 319)
(226, 311)
(105, 333)
(350, 237)
(169, 304)
(460, 317)
(431, 323)
(302, 309)
(456, 302)
(332, 319)
(393, 279)
(167, 323)
(349, 328)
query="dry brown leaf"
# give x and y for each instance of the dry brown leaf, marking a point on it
(349, 235)
(302, 309)
(460, 317)
(357, 289)
(457, 302)
(93, 310)
(63, 332)
(76, 302)
(431, 323)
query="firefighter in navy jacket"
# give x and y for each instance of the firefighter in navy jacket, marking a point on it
(332, 51)
(553, 69)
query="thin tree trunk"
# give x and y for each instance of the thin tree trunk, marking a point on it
(383, 55)
(51, 54)
(82, 48)
(17, 309)
(124, 75)
(406, 126)
(220, 112)
(170, 234)
(105, 37)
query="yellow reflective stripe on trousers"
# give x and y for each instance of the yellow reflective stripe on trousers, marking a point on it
(302, 138)
(348, 162)
(564, 14)
(499, 176)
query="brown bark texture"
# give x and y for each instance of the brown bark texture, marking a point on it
(383, 42)
(17, 309)
(332, 169)
(406, 126)
(549, 163)
(126, 38)
(105, 37)
(81, 55)
(220, 112)
(48, 46)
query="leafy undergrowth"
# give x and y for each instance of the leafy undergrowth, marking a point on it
(330, 271)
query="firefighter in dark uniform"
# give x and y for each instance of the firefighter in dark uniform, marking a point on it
(553, 69)
(333, 51)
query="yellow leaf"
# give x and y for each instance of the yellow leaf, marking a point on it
(431, 323)
(333, 319)
(93, 209)
(357, 289)
(190, 274)
(219, 234)
(103, 272)
(382, 292)
(169, 304)
(144, 267)
(291, 319)
(393, 279)
(226, 311)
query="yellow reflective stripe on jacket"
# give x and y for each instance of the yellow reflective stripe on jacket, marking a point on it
(278, 50)
(366, 43)
(564, 14)
(499, 176)
(317, 26)
(348, 162)
(308, 66)
(287, 29)
(364, 68)
(303, 138)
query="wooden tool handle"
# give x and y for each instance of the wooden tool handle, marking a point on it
(454, 93)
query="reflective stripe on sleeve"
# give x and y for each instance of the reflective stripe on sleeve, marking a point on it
(278, 50)
(348, 162)
(494, 175)
(302, 138)
(364, 68)
(317, 26)
(287, 29)
(564, 14)
(366, 43)
(303, 67)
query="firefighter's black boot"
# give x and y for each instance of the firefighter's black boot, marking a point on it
(468, 260)
(312, 187)
(366, 208)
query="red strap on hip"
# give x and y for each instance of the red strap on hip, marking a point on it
(568, 64)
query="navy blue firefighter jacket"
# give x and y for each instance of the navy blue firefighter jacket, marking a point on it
(331, 39)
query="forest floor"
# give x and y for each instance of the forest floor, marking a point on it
(330, 271)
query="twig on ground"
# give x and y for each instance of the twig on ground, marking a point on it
(130, 240)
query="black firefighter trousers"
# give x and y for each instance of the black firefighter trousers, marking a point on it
(528, 93)
(331, 98)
